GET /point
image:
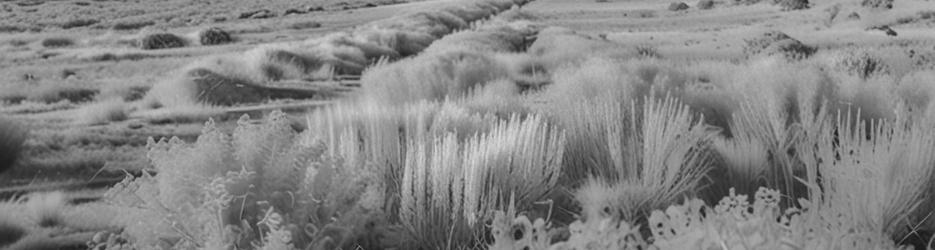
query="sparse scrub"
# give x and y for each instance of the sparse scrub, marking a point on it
(161, 41)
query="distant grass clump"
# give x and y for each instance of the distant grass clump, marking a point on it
(132, 25)
(877, 4)
(788, 5)
(214, 36)
(161, 41)
(57, 42)
(305, 25)
(103, 112)
(79, 23)
(12, 136)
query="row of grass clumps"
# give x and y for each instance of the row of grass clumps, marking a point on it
(341, 53)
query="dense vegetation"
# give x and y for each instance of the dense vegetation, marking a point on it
(486, 139)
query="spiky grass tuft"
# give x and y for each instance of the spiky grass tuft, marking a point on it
(47, 208)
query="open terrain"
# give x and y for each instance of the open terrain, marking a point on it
(462, 124)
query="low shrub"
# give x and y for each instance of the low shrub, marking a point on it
(57, 42)
(678, 6)
(214, 36)
(161, 41)
(132, 25)
(705, 5)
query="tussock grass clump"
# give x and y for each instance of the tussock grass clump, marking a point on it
(643, 158)
(879, 176)
(454, 184)
(133, 25)
(214, 36)
(499, 40)
(430, 77)
(47, 208)
(161, 41)
(10, 231)
(788, 5)
(12, 136)
(79, 23)
(57, 42)
(103, 112)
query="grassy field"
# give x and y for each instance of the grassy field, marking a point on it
(460, 124)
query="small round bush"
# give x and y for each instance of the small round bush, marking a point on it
(214, 36)
(161, 41)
